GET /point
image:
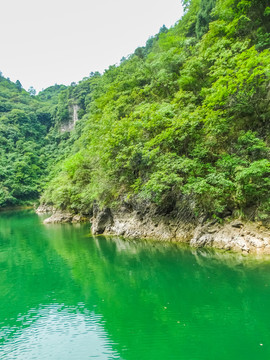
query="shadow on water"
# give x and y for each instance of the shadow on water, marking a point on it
(124, 299)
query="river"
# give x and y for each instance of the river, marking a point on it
(67, 295)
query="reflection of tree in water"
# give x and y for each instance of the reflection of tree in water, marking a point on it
(147, 291)
(153, 299)
(32, 273)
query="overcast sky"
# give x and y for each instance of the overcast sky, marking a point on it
(43, 42)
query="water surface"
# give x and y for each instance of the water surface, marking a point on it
(66, 295)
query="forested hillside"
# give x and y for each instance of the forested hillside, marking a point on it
(30, 141)
(183, 119)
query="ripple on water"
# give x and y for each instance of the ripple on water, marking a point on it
(57, 333)
(67, 296)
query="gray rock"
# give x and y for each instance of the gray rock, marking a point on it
(201, 241)
(79, 219)
(59, 217)
(44, 209)
(213, 230)
(237, 224)
(136, 222)
(257, 243)
(102, 221)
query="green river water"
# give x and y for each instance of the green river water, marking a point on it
(66, 295)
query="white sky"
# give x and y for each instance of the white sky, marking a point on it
(43, 42)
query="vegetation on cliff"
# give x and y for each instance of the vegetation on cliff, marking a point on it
(185, 117)
(30, 141)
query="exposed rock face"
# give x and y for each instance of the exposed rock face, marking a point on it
(141, 220)
(145, 221)
(59, 217)
(148, 223)
(131, 225)
(73, 118)
(248, 238)
(64, 217)
(101, 221)
(44, 209)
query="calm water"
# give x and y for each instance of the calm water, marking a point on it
(65, 295)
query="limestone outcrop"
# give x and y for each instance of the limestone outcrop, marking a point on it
(235, 235)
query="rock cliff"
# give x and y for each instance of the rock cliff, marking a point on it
(236, 235)
(144, 221)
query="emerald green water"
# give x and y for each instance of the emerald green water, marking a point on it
(65, 295)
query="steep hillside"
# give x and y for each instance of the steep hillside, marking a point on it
(30, 141)
(183, 123)
(184, 119)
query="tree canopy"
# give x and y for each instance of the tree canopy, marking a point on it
(185, 118)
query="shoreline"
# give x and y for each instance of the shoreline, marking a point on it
(234, 235)
(231, 235)
(18, 207)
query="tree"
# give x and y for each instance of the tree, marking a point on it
(32, 91)
(204, 17)
(18, 85)
(185, 4)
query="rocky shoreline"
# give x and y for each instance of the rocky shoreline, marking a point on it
(59, 217)
(235, 235)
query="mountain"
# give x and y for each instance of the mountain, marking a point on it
(183, 120)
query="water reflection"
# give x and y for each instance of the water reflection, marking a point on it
(57, 332)
(146, 300)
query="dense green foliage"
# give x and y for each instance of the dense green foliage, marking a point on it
(186, 117)
(30, 142)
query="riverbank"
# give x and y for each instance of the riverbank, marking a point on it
(148, 223)
(17, 207)
(236, 235)
(59, 217)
